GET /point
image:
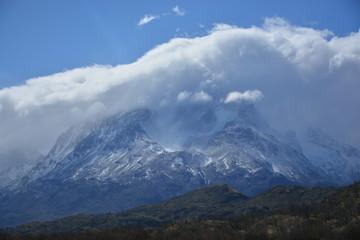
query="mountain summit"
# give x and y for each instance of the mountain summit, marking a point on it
(143, 156)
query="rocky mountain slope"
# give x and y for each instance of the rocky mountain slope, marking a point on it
(14, 165)
(339, 162)
(143, 156)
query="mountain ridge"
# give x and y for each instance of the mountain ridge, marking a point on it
(117, 163)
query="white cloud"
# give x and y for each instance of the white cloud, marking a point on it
(147, 18)
(248, 96)
(221, 27)
(183, 96)
(308, 78)
(197, 97)
(178, 11)
(201, 97)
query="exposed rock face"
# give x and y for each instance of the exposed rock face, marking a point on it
(127, 160)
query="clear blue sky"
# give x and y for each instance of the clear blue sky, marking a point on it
(41, 37)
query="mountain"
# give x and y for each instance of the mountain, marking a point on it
(145, 156)
(247, 154)
(204, 203)
(339, 162)
(111, 167)
(16, 164)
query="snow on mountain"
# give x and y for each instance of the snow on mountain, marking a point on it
(63, 146)
(249, 149)
(339, 162)
(15, 165)
(143, 156)
(243, 144)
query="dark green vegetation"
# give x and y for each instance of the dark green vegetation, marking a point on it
(219, 212)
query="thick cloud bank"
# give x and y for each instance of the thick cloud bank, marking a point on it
(303, 77)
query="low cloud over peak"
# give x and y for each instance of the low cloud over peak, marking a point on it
(308, 77)
(247, 96)
(198, 97)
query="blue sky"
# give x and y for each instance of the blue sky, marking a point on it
(42, 37)
(65, 62)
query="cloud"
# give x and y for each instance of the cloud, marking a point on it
(197, 97)
(146, 19)
(221, 27)
(149, 17)
(248, 96)
(309, 77)
(183, 96)
(178, 11)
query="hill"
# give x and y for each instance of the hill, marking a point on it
(204, 203)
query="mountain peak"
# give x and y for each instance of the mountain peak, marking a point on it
(138, 113)
(123, 161)
(318, 136)
(247, 115)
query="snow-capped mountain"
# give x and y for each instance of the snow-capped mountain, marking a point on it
(16, 164)
(339, 162)
(65, 144)
(247, 153)
(143, 156)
